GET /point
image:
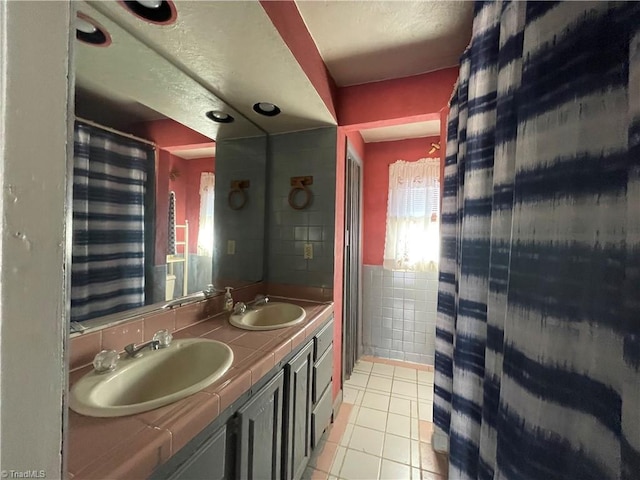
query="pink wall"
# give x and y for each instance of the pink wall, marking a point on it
(168, 134)
(406, 99)
(338, 262)
(291, 27)
(357, 143)
(378, 156)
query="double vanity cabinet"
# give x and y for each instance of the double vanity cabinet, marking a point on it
(271, 430)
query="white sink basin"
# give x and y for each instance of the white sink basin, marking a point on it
(155, 379)
(269, 317)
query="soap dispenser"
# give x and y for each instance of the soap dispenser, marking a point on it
(228, 299)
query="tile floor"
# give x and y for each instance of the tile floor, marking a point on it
(383, 428)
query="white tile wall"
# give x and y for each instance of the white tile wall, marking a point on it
(399, 314)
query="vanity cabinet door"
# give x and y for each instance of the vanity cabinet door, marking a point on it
(207, 462)
(260, 433)
(298, 372)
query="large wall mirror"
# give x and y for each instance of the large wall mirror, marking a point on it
(169, 180)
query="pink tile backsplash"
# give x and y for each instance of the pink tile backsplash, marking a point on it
(83, 349)
(116, 338)
(159, 321)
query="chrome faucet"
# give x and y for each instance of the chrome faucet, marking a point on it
(208, 292)
(258, 300)
(161, 339)
(241, 307)
(132, 350)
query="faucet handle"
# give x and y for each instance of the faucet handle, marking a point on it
(105, 361)
(163, 337)
(239, 308)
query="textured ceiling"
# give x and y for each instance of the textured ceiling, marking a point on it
(401, 132)
(364, 42)
(229, 55)
(233, 50)
(192, 153)
(128, 72)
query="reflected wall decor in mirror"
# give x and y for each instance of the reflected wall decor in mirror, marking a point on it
(155, 154)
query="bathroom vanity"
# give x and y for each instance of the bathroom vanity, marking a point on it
(262, 419)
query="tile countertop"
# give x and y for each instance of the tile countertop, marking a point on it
(134, 446)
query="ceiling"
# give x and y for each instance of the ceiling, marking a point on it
(191, 153)
(228, 55)
(400, 132)
(362, 42)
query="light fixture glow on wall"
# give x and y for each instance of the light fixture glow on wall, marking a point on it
(267, 109)
(91, 32)
(219, 116)
(159, 12)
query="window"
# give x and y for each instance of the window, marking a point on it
(205, 228)
(413, 216)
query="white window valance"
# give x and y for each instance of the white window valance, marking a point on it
(413, 216)
(205, 227)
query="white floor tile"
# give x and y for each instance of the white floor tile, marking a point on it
(401, 406)
(425, 393)
(357, 380)
(349, 394)
(346, 436)
(414, 409)
(406, 389)
(415, 474)
(367, 440)
(375, 400)
(405, 373)
(337, 461)
(382, 369)
(394, 471)
(353, 415)
(363, 366)
(382, 384)
(397, 449)
(425, 411)
(370, 418)
(425, 377)
(415, 429)
(415, 454)
(359, 466)
(399, 425)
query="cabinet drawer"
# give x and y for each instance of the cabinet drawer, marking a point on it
(322, 371)
(322, 340)
(321, 416)
(207, 462)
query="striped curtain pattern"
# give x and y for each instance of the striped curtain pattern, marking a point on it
(538, 331)
(109, 180)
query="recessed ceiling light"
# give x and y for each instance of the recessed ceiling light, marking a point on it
(160, 12)
(91, 32)
(219, 116)
(267, 109)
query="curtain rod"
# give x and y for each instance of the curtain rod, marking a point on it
(117, 132)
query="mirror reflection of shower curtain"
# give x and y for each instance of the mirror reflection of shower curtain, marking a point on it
(205, 228)
(109, 183)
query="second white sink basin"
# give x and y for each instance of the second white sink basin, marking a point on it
(269, 317)
(155, 379)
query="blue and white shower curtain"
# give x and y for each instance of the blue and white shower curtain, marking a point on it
(538, 330)
(108, 261)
